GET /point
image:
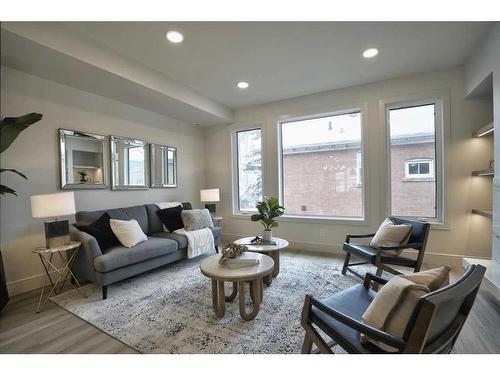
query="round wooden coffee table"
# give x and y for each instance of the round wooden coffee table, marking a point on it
(272, 250)
(211, 268)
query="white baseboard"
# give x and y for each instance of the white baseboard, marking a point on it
(29, 283)
(431, 258)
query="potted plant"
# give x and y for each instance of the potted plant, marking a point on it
(10, 127)
(269, 209)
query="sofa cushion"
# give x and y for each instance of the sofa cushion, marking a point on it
(127, 213)
(196, 219)
(216, 231)
(155, 224)
(101, 231)
(171, 218)
(179, 238)
(120, 256)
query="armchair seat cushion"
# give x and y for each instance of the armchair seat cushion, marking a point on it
(120, 256)
(352, 302)
(369, 254)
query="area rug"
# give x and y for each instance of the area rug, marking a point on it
(169, 310)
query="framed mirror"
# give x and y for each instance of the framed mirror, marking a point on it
(163, 166)
(129, 163)
(83, 160)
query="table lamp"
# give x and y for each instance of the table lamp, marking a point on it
(209, 197)
(54, 205)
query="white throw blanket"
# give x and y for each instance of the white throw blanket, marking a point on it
(199, 241)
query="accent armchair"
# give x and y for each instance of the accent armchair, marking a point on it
(434, 325)
(379, 256)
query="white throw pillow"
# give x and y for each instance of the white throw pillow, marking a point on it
(128, 232)
(390, 234)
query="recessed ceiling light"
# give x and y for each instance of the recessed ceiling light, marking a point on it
(242, 85)
(174, 36)
(370, 52)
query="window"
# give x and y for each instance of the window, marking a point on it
(321, 159)
(249, 169)
(419, 168)
(414, 170)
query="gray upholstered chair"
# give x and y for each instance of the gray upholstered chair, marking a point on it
(434, 325)
(379, 257)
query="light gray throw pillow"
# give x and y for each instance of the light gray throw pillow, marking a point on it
(196, 219)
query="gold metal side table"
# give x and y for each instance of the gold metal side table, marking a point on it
(46, 257)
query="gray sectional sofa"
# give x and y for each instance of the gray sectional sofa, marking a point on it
(118, 263)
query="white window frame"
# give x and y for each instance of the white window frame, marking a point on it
(235, 129)
(440, 99)
(362, 109)
(408, 175)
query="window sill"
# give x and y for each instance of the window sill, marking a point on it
(311, 219)
(418, 179)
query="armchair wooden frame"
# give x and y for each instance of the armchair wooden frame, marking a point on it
(433, 328)
(382, 261)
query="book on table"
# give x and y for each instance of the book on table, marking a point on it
(243, 260)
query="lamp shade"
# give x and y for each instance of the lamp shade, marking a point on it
(53, 205)
(209, 195)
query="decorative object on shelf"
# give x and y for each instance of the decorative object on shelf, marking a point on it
(46, 255)
(83, 176)
(269, 209)
(163, 160)
(210, 197)
(492, 165)
(129, 163)
(83, 160)
(10, 128)
(54, 205)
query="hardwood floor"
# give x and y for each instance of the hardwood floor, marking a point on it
(54, 330)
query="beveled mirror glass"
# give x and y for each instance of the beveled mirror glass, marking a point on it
(129, 163)
(163, 166)
(83, 160)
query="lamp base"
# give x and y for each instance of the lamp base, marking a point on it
(56, 233)
(211, 208)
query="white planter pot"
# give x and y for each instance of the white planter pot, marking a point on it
(267, 235)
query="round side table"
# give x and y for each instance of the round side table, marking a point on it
(46, 257)
(272, 250)
(218, 273)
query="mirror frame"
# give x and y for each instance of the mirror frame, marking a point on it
(112, 147)
(62, 161)
(154, 184)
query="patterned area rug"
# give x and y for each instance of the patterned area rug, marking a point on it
(169, 310)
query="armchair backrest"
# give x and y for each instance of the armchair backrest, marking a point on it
(439, 316)
(420, 230)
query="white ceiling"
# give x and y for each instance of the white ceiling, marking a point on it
(283, 59)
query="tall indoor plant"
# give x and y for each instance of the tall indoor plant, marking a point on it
(10, 128)
(269, 209)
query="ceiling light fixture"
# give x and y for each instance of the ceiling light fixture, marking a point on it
(370, 52)
(242, 85)
(174, 36)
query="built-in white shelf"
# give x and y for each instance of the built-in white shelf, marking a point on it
(486, 213)
(485, 130)
(485, 173)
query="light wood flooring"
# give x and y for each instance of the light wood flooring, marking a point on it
(55, 330)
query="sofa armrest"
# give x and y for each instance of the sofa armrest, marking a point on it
(89, 243)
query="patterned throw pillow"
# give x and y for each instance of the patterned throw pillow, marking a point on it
(196, 219)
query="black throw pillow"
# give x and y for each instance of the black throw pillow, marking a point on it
(101, 230)
(171, 218)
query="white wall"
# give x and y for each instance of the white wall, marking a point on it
(35, 153)
(461, 155)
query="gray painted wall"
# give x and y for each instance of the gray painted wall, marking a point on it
(35, 153)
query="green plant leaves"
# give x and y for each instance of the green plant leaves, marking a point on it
(10, 127)
(14, 171)
(268, 209)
